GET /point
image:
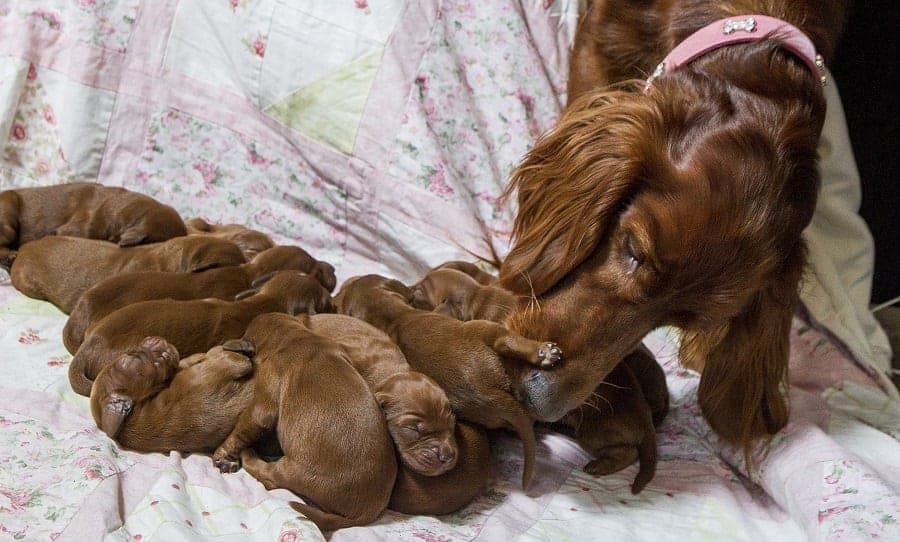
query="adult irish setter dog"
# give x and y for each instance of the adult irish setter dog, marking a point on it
(677, 200)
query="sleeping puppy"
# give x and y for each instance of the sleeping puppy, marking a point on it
(616, 424)
(190, 326)
(149, 401)
(437, 495)
(60, 269)
(465, 358)
(416, 408)
(338, 454)
(83, 210)
(458, 295)
(222, 283)
(251, 242)
(480, 276)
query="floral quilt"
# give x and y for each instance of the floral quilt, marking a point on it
(378, 134)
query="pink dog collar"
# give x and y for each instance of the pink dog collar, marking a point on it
(741, 30)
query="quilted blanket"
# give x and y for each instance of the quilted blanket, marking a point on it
(378, 134)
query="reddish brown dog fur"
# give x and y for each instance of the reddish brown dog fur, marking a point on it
(251, 242)
(416, 408)
(469, 268)
(61, 269)
(457, 295)
(221, 283)
(190, 326)
(617, 423)
(681, 205)
(150, 401)
(84, 210)
(465, 358)
(304, 388)
(447, 493)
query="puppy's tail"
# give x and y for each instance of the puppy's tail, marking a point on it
(647, 457)
(327, 521)
(523, 425)
(79, 381)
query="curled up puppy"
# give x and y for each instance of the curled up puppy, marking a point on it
(465, 358)
(60, 269)
(338, 454)
(83, 210)
(190, 326)
(617, 424)
(455, 294)
(149, 400)
(416, 409)
(251, 242)
(219, 283)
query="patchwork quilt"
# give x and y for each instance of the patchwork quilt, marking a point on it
(377, 134)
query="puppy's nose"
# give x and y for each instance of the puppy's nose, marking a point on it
(446, 454)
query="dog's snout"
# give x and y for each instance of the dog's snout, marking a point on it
(446, 454)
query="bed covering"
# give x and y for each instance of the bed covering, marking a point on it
(378, 134)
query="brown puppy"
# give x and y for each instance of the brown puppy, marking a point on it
(416, 408)
(465, 358)
(60, 269)
(480, 276)
(616, 424)
(148, 401)
(458, 295)
(191, 326)
(223, 283)
(84, 210)
(251, 242)
(437, 495)
(338, 454)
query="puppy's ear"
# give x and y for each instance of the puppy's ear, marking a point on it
(241, 346)
(198, 224)
(203, 266)
(572, 185)
(420, 300)
(324, 273)
(113, 413)
(246, 293)
(132, 237)
(262, 279)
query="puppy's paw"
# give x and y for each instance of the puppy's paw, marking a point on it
(225, 463)
(549, 355)
(611, 459)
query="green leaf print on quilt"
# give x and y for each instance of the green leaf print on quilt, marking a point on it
(329, 109)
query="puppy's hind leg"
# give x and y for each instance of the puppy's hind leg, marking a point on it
(259, 418)
(10, 205)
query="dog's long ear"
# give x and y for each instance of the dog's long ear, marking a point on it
(572, 184)
(744, 367)
(198, 224)
(241, 346)
(114, 411)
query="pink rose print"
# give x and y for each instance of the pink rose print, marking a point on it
(18, 132)
(288, 536)
(234, 4)
(438, 185)
(18, 499)
(29, 336)
(32, 72)
(87, 3)
(361, 4)
(41, 167)
(257, 46)
(429, 537)
(207, 171)
(49, 17)
(48, 115)
(56, 362)
(255, 158)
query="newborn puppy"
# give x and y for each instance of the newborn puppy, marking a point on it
(84, 210)
(465, 358)
(481, 277)
(190, 326)
(416, 408)
(437, 495)
(251, 242)
(221, 283)
(458, 295)
(149, 402)
(338, 454)
(60, 269)
(616, 423)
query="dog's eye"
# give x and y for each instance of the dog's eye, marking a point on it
(632, 257)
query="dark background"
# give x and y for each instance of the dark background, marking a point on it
(867, 71)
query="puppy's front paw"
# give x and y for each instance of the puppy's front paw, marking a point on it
(225, 463)
(549, 355)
